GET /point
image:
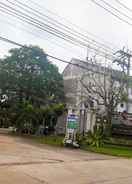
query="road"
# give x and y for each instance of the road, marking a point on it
(25, 162)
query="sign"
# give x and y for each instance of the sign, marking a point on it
(71, 126)
(72, 121)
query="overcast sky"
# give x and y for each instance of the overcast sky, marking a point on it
(80, 12)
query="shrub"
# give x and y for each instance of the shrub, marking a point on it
(95, 137)
(80, 138)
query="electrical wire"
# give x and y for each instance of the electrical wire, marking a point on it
(48, 55)
(77, 35)
(123, 5)
(41, 24)
(109, 11)
(33, 23)
(116, 9)
(102, 42)
(57, 23)
(39, 35)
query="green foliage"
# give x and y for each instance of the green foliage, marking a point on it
(80, 138)
(124, 97)
(30, 118)
(95, 137)
(49, 139)
(5, 116)
(26, 74)
(115, 150)
(119, 140)
(121, 151)
(129, 79)
(34, 88)
(27, 118)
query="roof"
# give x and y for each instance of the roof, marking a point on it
(91, 67)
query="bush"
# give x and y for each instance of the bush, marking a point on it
(95, 137)
(80, 138)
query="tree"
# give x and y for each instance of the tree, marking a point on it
(105, 86)
(26, 74)
(31, 82)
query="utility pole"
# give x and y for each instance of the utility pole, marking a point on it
(124, 60)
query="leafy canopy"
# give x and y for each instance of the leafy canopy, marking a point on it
(26, 74)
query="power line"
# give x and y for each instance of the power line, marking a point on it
(116, 9)
(48, 55)
(35, 24)
(39, 35)
(74, 32)
(123, 5)
(11, 42)
(104, 43)
(40, 25)
(109, 11)
(57, 23)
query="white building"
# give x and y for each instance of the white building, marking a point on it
(76, 94)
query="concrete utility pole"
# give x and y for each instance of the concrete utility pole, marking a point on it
(124, 60)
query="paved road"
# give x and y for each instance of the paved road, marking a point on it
(25, 162)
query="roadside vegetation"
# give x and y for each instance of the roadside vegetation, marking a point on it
(115, 150)
(32, 99)
(31, 91)
(45, 139)
(57, 140)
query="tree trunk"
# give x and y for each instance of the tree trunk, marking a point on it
(108, 125)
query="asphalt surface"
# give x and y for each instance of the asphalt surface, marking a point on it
(25, 162)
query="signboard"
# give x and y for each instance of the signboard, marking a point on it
(72, 121)
(71, 126)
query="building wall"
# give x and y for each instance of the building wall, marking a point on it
(76, 94)
(74, 91)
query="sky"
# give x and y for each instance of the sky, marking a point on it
(100, 25)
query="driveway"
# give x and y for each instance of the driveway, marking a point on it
(25, 162)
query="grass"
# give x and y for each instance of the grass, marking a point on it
(110, 149)
(115, 150)
(122, 140)
(48, 139)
